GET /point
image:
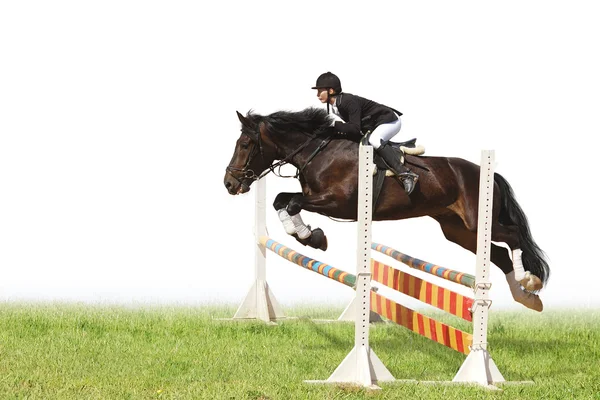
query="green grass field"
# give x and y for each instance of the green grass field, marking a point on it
(62, 351)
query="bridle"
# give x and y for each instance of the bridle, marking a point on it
(247, 173)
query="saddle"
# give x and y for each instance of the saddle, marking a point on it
(381, 171)
(408, 147)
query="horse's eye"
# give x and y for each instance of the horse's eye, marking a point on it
(245, 146)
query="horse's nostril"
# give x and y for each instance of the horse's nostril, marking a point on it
(227, 185)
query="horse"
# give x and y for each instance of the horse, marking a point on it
(327, 164)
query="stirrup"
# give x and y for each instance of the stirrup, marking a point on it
(409, 181)
(409, 174)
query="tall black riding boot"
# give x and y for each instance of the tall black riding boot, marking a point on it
(392, 159)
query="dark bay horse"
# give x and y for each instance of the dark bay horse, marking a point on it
(447, 191)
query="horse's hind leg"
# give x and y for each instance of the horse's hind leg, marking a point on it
(509, 234)
(455, 231)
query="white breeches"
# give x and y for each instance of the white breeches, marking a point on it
(384, 132)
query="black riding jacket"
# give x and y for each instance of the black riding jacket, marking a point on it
(361, 115)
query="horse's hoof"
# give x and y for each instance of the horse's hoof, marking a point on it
(531, 282)
(531, 301)
(318, 240)
(324, 244)
(304, 242)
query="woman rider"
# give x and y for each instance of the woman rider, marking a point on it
(360, 115)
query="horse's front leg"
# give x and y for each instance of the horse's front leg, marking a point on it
(288, 207)
(315, 203)
(280, 204)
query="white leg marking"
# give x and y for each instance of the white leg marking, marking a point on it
(525, 278)
(285, 219)
(302, 230)
(518, 264)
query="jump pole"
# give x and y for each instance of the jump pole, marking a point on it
(260, 302)
(479, 367)
(362, 366)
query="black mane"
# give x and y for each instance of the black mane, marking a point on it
(310, 120)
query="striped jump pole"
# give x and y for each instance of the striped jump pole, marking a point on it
(346, 278)
(410, 319)
(427, 292)
(421, 324)
(441, 272)
(308, 263)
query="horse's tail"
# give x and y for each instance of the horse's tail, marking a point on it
(534, 259)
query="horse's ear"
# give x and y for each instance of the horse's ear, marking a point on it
(245, 121)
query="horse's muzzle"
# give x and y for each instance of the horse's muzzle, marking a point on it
(235, 186)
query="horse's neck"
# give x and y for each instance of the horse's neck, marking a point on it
(324, 161)
(290, 151)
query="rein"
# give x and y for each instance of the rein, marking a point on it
(258, 148)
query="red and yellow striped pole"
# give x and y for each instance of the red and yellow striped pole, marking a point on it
(419, 323)
(437, 296)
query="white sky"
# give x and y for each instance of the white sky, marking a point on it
(117, 120)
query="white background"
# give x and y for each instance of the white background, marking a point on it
(117, 120)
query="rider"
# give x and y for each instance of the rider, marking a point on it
(361, 115)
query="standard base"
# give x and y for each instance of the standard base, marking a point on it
(479, 368)
(361, 367)
(260, 303)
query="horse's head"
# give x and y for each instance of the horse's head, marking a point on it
(253, 154)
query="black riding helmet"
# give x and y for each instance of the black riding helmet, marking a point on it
(329, 80)
(326, 81)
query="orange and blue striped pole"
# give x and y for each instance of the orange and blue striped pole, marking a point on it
(445, 273)
(308, 263)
